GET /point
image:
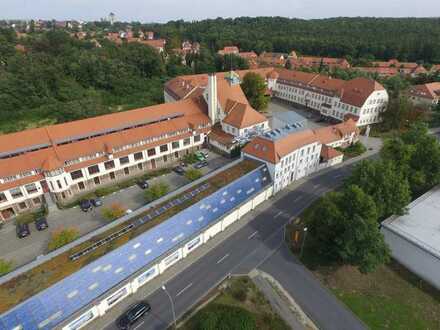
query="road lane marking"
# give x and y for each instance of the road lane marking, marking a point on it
(298, 199)
(252, 235)
(184, 289)
(338, 176)
(315, 186)
(278, 214)
(139, 325)
(222, 258)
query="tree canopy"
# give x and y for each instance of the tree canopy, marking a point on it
(254, 88)
(344, 226)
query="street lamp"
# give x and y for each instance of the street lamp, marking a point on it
(303, 241)
(172, 305)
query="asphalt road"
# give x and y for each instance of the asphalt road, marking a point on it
(257, 244)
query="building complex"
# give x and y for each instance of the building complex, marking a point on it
(425, 95)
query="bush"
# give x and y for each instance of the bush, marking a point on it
(190, 158)
(222, 317)
(156, 191)
(113, 212)
(106, 191)
(193, 174)
(62, 237)
(354, 150)
(5, 266)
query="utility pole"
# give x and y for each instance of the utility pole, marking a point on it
(303, 242)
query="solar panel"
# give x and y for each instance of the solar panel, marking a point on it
(55, 304)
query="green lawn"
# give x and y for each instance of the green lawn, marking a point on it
(239, 306)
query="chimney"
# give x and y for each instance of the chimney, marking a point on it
(212, 98)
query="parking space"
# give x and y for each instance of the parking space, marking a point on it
(22, 251)
(312, 118)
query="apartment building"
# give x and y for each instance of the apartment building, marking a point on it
(426, 95)
(361, 99)
(64, 161)
(291, 153)
(316, 62)
(393, 68)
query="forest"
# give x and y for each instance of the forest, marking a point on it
(58, 78)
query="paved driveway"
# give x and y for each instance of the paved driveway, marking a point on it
(22, 251)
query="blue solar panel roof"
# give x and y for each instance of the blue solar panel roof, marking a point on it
(58, 302)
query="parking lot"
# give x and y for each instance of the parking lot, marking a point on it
(311, 117)
(22, 251)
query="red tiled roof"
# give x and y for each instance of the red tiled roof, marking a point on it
(328, 153)
(429, 91)
(242, 115)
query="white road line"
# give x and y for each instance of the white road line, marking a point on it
(184, 289)
(278, 214)
(222, 258)
(298, 199)
(315, 186)
(139, 325)
(252, 235)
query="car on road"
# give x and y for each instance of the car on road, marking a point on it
(41, 223)
(22, 230)
(179, 170)
(132, 315)
(201, 164)
(96, 202)
(85, 205)
(143, 184)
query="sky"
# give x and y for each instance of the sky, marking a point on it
(166, 10)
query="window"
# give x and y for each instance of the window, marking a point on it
(30, 188)
(96, 180)
(175, 145)
(16, 193)
(36, 201)
(51, 185)
(186, 142)
(138, 156)
(126, 171)
(22, 205)
(81, 186)
(109, 165)
(76, 175)
(146, 276)
(117, 296)
(196, 138)
(82, 320)
(65, 181)
(163, 148)
(140, 167)
(59, 184)
(151, 152)
(3, 198)
(112, 175)
(168, 261)
(193, 244)
(93, 169)
(124, 160)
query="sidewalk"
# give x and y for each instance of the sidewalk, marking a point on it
(281, 301)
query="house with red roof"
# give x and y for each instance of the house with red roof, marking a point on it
(426, 95)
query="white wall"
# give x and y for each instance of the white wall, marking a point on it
(162, 265)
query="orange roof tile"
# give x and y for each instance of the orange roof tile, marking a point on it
(328, 153)
(242, 116)
(429, 91)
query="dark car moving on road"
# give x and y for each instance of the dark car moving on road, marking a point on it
(41, 224)
(133, 314)
(22, 230)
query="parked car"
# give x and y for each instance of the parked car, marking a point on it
(200, 156)
(179, 170)
(205, 153)
(143, 184)
(41, 223)
(22, 230)
(201, 164)
(85, 205)
(96, 202)
(133, 314)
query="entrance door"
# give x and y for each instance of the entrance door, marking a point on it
(44, 186)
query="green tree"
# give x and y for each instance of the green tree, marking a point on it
(156, 191)
(344, 225)
(224, 317)
(399, 114)
(385, 184)
(62, 237)
(193, 174)
(5, 266)
(254, 87)
(114, 211)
